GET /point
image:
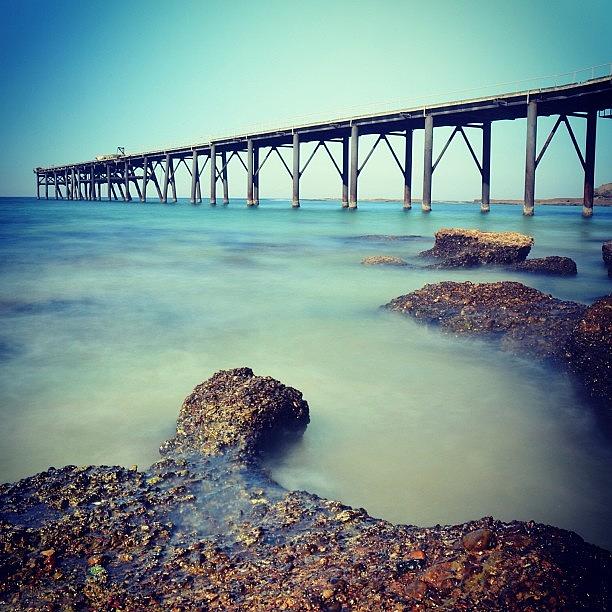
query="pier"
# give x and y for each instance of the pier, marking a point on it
(140, 175)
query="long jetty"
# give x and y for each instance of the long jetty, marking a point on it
(118, 176)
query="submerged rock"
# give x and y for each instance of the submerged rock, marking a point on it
(523, 319)
(388, 237)
(455, 247)
(555, 265)
(588, 350)
(383, 260)
(205, 529)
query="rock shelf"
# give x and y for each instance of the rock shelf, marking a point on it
(206, 528)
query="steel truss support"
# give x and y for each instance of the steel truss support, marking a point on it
(195, 180)
(145, 179)
(530, 158)
(109, 182)
(407, 171)
(224, 162)
(587, 161)
(213, 175)
(126, 178)
(354, 171)
(295, 200)
(256, 176)
(298, 172)
(169, 179)
(345, 171)
(250, 173)
(485, 171)
(427, 163)
(589, 165)
(484, 166)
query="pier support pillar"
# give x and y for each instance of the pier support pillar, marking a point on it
(67, 193)
(91, 183)
(145, 178)
(354, 167)
(108, 182)
(164, 198)
(46, 186)
(126, 170)
(224, 178)
(345, 171)
(213, 175)
(530, 158)
(589, 164)
(408, 171)
(195, 170)
(427, 163)
(72, 184)
(295, 200)
(485, 203)
(250, 201)
(37, 186)
(256, 176)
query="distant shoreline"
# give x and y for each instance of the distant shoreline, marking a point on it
(544, 202)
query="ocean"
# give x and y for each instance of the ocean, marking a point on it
(112, 312)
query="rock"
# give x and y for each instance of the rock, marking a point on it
(441, 575)
(195, 539)
(95, 560)
(477, 540)
(588, 350)
(555, 265)
(606, 254)
(456, 247)
(522, 319)
(603, 191)
(417, 554)
(409, 565)
(236, 409)
(383, 260)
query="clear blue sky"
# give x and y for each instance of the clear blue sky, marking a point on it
(80, 78)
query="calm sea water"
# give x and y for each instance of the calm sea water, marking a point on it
(112, 312)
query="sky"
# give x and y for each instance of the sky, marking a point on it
(81, 78)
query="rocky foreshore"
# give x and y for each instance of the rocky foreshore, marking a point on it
(524, 321)
(206, 529)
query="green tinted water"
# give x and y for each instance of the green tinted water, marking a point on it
(112, 312)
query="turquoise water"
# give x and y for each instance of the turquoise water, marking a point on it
(112, 312)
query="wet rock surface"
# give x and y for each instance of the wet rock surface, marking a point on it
(205, 528)
(606, 254)
(554, 265)
(522, 319)
(588, 350)
(383, 260)
(234, 409)
(456, 247)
